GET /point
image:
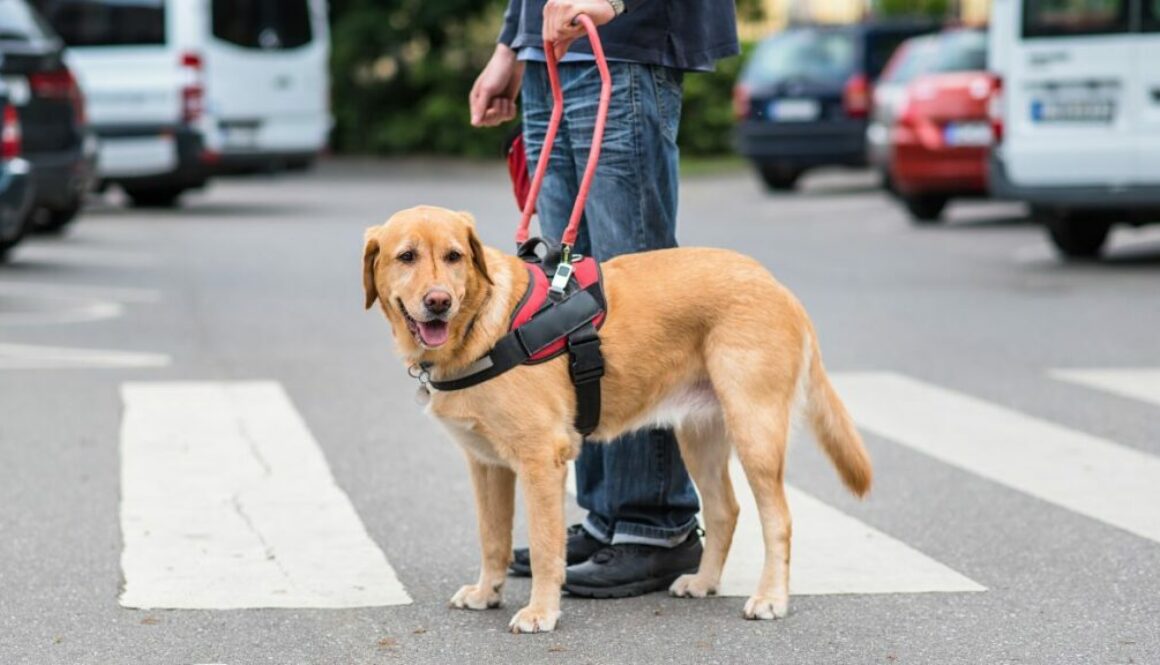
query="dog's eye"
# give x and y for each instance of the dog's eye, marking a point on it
(453, 256)
(407, 257)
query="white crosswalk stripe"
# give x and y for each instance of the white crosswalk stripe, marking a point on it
(26, 356)
(1071, 469)
(1140, 384)
(832, 552)
(228, 502)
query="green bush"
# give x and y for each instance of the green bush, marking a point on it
(401, 71)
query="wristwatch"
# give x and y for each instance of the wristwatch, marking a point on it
(617, 6)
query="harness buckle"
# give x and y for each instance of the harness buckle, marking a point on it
(586, 362)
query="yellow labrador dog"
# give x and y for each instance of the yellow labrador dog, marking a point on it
(704, 340)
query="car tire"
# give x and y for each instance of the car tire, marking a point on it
(1077, 237)
(779, 179)
(925, 209)
(154, 197)
(56, 221)
(7, 242)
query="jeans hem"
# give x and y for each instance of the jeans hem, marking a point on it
(627, 532)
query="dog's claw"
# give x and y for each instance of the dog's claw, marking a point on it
(765, 608)
(473, 597)
(533, 620)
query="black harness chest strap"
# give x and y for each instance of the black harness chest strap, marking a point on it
(515, 348)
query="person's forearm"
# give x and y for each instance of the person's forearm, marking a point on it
(511, 22)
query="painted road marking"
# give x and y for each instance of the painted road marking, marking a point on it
(228, 502)
(1083, 473)
(35, 303)
(1140, 384)
(833, 553)
(23, 356)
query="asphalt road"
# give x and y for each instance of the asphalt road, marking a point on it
(1029, 490)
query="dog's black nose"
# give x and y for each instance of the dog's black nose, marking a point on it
(437, 302)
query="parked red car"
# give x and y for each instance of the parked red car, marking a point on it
(942, 131)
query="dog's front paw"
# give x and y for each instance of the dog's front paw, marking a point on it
(692, 586)
(766, 607)
(534, 620)
(475, 597)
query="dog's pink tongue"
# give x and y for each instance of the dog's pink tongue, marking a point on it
(434, 333)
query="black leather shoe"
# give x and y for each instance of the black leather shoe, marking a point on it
(620, 571)
(581, 545)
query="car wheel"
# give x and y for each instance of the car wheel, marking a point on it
(779, 179)
(55, 221)
(12, 238)
(1076, 236)
(925, 209)
(154, 197)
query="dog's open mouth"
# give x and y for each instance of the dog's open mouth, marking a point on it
(431, 333)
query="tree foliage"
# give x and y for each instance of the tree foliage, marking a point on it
(401, 71)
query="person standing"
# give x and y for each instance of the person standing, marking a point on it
(640, 532)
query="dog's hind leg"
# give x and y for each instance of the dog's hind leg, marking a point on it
(705, 451)
(760, 440)
(495, 489)
(757, 388)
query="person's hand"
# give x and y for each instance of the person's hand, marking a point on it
(560, 14)
(493, 97)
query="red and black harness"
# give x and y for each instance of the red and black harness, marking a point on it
(563, 306)
(548, 322)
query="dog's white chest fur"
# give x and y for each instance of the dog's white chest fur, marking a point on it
(477, 446)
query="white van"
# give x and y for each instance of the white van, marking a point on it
(183, 90)
(1079, 114)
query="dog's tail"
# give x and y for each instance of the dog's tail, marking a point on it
(833, 428)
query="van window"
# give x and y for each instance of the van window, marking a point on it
(106, 22)
(18, 23)
(263, 24)
(1063, 18)
(813, 56)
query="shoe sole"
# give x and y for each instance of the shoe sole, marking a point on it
(516, 570)
(627, 590)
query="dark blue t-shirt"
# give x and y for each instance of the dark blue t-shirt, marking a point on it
(683, 34)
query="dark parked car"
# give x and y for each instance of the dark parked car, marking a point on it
(803, 97)
(52, 113)
(15, 186)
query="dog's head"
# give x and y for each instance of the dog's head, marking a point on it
(426, 268)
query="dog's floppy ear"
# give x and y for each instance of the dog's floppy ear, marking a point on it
(477, 257)
(370, 254)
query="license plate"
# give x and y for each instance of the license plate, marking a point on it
(968, 134)
(240, 137)
(794, 110)
(1091, 110)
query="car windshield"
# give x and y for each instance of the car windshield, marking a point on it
(19, 23)
(820, 56)
(959, 51)
(107, 22)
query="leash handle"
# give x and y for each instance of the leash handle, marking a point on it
(573, 228)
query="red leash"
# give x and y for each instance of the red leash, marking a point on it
(554, 124)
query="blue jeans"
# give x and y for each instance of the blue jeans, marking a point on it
(635, 489)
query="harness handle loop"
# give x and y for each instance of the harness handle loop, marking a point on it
(569, 237)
